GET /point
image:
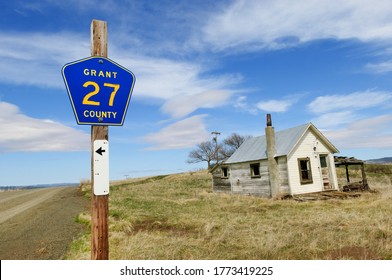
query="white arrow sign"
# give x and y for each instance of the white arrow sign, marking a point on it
(101, 167)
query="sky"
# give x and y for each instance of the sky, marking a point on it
(200, 66)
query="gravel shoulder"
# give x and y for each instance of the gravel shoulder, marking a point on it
(39, 224)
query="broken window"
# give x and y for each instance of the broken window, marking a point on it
(255, 170)
(225, 172)
(305, 171)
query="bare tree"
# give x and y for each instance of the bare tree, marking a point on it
(204, 151)
(231, 144)
(212, 151)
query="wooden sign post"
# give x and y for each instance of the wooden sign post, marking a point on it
(99, 90)
(99, 203)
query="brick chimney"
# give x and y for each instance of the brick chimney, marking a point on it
(272, 163)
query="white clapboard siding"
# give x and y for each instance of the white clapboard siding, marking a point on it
(309, 146)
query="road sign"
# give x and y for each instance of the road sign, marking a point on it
(101, 167)
(99, 90)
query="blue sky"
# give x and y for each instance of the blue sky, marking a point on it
(200, 66)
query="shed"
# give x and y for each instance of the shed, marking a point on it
(350, 186)
(292, 161)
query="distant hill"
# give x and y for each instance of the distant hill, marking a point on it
(384, 160)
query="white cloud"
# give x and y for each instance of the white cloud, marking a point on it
(253, 24)
(343, 119)
(182, 134)
(382, 67)
(372, 133)
(274, 105)
(352, 101)
(181, 106)
(335, 119)
(164, 79)
(23, 133)
(44, 6)
(36, 59)
(242, 104)
(383, 60)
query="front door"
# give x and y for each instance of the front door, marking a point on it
(324, 166)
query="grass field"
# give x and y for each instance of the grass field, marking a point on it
(178, 217)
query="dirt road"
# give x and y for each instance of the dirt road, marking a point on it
(40, 223)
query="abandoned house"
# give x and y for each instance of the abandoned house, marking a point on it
(292, 161)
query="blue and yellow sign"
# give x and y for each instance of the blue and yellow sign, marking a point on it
(99, 90)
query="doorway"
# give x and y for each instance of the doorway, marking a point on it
(325, 174)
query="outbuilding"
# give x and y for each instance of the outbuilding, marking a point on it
(293, 161)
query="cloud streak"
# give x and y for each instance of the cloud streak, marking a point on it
(380, 68)
(254, 25)
(277, 106)
(372, 133)
(36, 59)
(182, 106)
(23, 133)
(353, 101)
(350, 120)
(272, 105)
(40, 58)
(179, 135)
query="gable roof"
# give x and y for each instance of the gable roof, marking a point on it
(255, 148)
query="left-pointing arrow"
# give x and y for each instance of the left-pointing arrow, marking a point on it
(100, 151)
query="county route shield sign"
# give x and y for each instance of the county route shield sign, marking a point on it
(99, 90)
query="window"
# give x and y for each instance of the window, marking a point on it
(305, 171)
(255, 170)
(323, 161)
(225, 172)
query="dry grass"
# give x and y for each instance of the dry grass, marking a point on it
(178, 217)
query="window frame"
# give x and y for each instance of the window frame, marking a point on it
(323, 162)
(254, 174)
(223, 172)
(308, 170)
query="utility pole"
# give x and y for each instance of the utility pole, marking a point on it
(99, 203)
(89, 96)
(215, 138)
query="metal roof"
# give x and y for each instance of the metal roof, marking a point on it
(255, 148)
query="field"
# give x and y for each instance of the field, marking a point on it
(178, 217)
